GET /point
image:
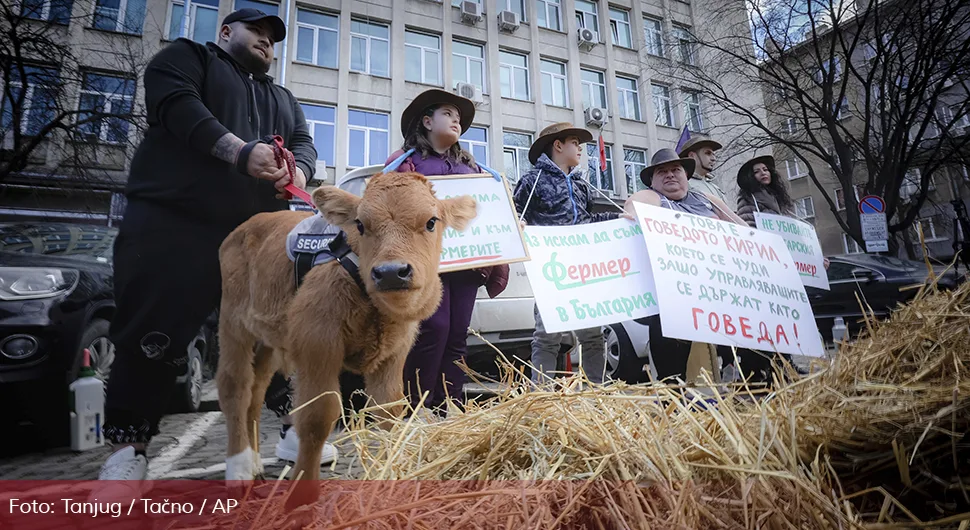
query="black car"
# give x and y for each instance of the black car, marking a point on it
(56, 299)
(881, 282)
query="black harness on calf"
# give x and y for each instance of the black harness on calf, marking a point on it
(315, 249)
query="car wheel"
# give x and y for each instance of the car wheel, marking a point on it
(97, 341)
(622, 363)
(189, 392)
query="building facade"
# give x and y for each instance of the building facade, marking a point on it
(355, 65)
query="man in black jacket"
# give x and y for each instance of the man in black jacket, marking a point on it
(198, 174)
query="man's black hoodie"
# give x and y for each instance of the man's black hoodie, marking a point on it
(194, 95)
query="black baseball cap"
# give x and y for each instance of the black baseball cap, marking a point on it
(250, 14)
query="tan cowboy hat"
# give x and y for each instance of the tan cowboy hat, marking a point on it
(696, 143)
(434, 98)
(767, 160)
(662, 157)
(554, 132)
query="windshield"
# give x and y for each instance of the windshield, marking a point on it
(78, 241)
(896, 263)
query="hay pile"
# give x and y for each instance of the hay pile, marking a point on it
(875, 440)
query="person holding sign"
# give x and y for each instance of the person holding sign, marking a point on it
(666, 177)
(432, 125)
(761, 190)
(554, 193)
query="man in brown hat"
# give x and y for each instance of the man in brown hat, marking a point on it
(555, 193)
(702, 150)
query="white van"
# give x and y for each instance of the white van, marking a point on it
(507, 321)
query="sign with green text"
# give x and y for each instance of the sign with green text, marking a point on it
(802, 243)
(493, 237)
(589, 275)
(723, 283)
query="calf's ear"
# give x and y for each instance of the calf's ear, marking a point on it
(457, 212)
(336, 205)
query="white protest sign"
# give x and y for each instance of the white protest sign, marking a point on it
(590, 275)
(493, 237)
(723, 283)
(803, 244)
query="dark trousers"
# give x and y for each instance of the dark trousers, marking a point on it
(669, 356)
(441, 342)
(166, 283)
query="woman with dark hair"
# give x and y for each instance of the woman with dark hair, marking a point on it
(432, 125)
(762, 190)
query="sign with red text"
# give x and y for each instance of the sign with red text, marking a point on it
(802, 243)
(493, 237)
(724, 283)
(589, 275)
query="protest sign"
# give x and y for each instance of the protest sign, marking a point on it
(493, 237)
(802, 244)
(590, 275)
(724, 283)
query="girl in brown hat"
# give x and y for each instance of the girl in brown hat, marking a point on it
(432, 125)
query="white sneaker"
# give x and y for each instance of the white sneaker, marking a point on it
(129, 472)
(288, 447)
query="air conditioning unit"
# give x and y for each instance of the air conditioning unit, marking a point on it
(470, 91)
(508, 20)
(471, 11)
(595, 116)
(588, 38)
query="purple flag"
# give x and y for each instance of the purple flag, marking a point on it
(684, 136)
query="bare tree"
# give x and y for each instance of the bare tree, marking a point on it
(872, 88)
(70, 96)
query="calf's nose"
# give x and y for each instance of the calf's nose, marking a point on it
(392, 276)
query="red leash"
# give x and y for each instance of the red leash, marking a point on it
(284, 156)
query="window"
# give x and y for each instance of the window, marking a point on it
(273, 8)
(620, 26)
(203, 20)
(628, 97)
(849, 246)
(320, 120)
(964, 117)
(930, 234)
(826, 66)
(56, 11)
(791, 125)
(475, 141)
(634, 161)
(685, 45)
(367, 138)
(661, 105)
(468, 64)
(109, 95)
(692, 111)
(369, 48)
(794, 169)
(912, 183)
(842, 109)
(840, 197)
(515, 152)
(653, 36)
(549, 14)
(422, 58)
(586, 15)
(594, 88)
(124, 16)
(805, 209)
(600, 179)
(514, 73)
(39, 101)
(317, 37)
(516, 6)
(555, 89)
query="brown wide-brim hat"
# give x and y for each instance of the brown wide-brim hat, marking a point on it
(663, 157)
(697, 143)
(767, 160)
(434, 98)
(554, 132)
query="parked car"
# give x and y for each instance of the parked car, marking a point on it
(56, 299)
(879, 281)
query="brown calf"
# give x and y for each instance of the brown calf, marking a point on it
(267, 324)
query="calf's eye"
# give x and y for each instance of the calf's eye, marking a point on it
(431, 223)
(360, 226)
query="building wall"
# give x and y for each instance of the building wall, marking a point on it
(345, 91)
